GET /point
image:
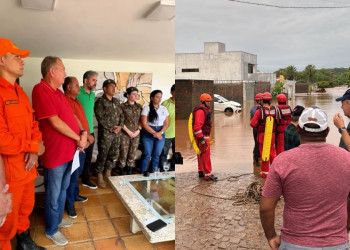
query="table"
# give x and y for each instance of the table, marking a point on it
(147, 199)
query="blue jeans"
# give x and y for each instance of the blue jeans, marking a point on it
(288, 246)
(56, 181)
(73, 189)
(151, 147)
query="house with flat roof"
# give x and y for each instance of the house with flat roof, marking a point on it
(219, 65)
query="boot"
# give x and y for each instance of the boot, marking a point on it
(108, 173)
(129, 170)
(24, 242)
(121, 171)
(100, 182)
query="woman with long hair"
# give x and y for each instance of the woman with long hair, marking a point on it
(131, 131)
(154, 121)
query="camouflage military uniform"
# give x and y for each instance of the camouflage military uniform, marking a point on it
(132, 114)
(108, 115)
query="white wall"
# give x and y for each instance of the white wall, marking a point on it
(163, 74)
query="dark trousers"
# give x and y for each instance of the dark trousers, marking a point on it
(85, 175)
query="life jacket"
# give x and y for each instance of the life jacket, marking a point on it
(253, 110)
(206, 128)
(284, 117)
(266, 112)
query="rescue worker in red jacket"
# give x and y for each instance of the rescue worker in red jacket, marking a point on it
(201, 131)
(256, 153)
(284, 117)
(20, 145)
(258, 122)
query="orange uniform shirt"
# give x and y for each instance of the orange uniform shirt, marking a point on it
(19, 132)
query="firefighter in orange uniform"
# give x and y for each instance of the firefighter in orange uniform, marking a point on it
(20, 146)
(201, 131)
(258, 121)
(284, 117)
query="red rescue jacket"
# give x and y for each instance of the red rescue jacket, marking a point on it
(284, 117)
(201, 121)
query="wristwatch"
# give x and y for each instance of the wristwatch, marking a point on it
(341, 129)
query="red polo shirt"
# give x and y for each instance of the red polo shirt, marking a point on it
(49, 102)
(78, 110)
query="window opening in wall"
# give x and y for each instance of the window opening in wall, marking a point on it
(250, 68)
(190, 70)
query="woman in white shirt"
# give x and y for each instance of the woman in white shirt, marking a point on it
(154, 121)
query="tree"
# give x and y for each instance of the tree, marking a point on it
(280, 72)
(290, 72)
(310, 71)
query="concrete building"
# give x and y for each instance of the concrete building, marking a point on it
(220, 65)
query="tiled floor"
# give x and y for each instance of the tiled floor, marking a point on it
(102, 223)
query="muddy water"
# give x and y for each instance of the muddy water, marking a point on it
(233, 139)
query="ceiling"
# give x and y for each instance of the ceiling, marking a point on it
(91, 30)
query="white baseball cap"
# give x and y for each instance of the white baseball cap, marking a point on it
(316, 116)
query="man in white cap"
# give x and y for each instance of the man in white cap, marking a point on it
(314, 180)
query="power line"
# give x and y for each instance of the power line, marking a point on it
(291, 7)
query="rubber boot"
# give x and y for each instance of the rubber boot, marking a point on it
(100, 182)
(24, 242)
(108, 173)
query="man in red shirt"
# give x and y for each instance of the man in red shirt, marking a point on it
(314, 180)
(20, 146)
(62, 136)
(71, 91)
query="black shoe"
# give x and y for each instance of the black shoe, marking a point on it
(129, 169)
(81, 198)
(200, 174)
(212, 178)
(24, 242)
(89, 184)
(121, 171)
(71, 212)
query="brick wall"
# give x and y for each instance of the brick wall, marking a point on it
(187, 96)
(231, 91)
(261, 87)
(301, 87)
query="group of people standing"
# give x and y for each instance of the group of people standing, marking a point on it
(60, 126)
(281, 137)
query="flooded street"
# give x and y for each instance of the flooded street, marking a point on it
(233, 139)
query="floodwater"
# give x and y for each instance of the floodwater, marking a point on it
(232, 150)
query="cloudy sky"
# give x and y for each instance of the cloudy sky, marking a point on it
(278, 36)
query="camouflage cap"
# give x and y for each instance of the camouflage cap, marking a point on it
(107, 82)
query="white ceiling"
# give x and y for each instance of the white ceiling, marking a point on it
(91, 29)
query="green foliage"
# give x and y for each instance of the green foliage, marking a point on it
(278, 88)
(328, 77)
(326, 84)
(290, 72)
(310, 71)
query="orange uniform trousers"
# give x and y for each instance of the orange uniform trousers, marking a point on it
(204, 162)
(265, 165)
(18, 220)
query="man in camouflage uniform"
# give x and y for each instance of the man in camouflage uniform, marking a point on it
(110, 121)
(130, 135)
